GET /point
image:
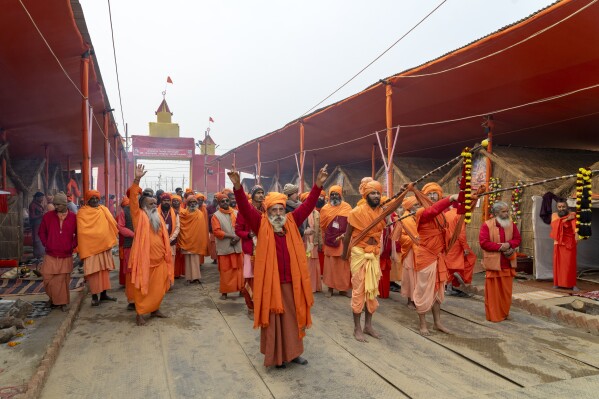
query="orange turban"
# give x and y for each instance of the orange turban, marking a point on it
(188, 190)
(372, 186)
(408, 203)
(92, 193)
(191, 198)
(176, 197)
(432, 188)
(363, 183)
(274, 198)
(200, 196)
(125, 201)
(221, 196)
(303, 196)
(166, 196)
(227, 191)
(336, 189)
(322, 193)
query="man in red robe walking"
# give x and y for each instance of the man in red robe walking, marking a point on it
(563, 232)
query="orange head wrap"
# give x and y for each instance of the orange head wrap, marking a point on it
(372, 186)
(432, 188)
(363, 183)
(227, 191)
(92, 193)
(336, 189)
(176, 197)
(322, 193)
(221, 196)
(200, 196)
(274, 198)
(188, 190)
(166, 196)
(408, 203)
(303, 196)
(125, 201)
(191, 198)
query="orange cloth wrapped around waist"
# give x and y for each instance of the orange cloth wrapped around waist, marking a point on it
(96, 230)
(359, 218)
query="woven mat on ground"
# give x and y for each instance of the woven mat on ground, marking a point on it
(584, 286)
(591, 295)
(540, 294)
(33, 287)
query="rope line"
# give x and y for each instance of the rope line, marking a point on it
(377, 58)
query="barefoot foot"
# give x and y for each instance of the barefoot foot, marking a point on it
(370, 331)
(441, 327)
(359, 335)
(139, 320)
(159, 314)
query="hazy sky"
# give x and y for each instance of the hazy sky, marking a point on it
(255, 65)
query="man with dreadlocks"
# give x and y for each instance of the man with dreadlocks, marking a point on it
(151, 260)
(430, 267)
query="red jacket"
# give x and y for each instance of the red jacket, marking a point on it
(58, 242)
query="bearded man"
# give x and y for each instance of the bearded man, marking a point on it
(126, 234)
(179, 257)
(282, 289)
(97, 231)
(171, 221)
(333, 224)
(192, 238)
(151, 259)
(58, 234)
(228, 248)
(313, 244)
(499, 237)
(365, 266)
(248, 245)
(563, 232)
(292, 193)
(431, 269)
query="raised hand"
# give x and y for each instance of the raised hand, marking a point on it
(140, 171)
(322, 176)
(235, 178)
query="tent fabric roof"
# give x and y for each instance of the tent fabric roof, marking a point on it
(38, 104)
(552, 54)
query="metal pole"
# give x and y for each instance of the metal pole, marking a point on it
(85, 136)
(106, 161)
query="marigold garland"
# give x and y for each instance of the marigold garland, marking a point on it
(583, 203)
(494, 184)
(516, 201)
(465, 196)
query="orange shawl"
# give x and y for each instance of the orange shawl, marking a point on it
(267, 285)
(360, 217)
(557, 230)
(193, 236)
(96, 230)
(139, 260)
(328, 213)
(408, 227)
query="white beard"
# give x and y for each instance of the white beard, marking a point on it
(277, 222)
(504, 222)
(192, 208)
(154, 219)
(335, 202)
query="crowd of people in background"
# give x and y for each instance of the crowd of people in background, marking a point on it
(276, 250)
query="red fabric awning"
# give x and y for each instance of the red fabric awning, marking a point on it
(38, 104)
(506, 69)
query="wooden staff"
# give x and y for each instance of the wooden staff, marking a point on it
(393, 203)
(401, 218)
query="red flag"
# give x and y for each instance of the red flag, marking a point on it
(210, 119)
(169, 80)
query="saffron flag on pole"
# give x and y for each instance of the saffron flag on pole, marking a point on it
(169, 80)
(210, 119)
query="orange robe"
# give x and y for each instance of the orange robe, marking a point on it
(150, 260)
(97, 234)
(365, 267)
(430, 267)
(409, 233)
(455, 258)
(336, 273)
(230, 266)
(563, 232)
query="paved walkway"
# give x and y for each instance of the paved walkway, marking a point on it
(208, 349)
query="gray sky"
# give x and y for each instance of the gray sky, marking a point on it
(255, 65)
